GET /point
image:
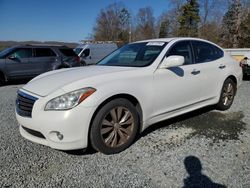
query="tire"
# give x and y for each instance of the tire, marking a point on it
(228, 92)
(114, 127)
(2, 79)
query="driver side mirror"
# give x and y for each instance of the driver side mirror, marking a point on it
(172, 61)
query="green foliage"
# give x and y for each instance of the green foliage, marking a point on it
(230, 25)
(189, 19)
(244, 31)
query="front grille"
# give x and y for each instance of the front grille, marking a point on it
(24, 104)
(34, 133)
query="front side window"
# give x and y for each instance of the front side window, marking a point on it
(182, 49)
(44, 52)
(22, 53)
(134, 55)
(205, 52)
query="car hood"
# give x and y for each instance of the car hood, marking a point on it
(49, 82)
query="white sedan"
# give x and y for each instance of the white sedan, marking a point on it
(107, 105)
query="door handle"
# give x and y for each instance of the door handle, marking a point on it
(195, 72)
(222, 66)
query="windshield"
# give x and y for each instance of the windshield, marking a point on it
(77, 50)
(134, 55)
(5, 52)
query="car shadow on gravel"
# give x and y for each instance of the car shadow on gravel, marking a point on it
(16, 82)
(206, 122)
(86, 151)
(195, 176)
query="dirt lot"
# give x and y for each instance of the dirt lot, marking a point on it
(206, 148)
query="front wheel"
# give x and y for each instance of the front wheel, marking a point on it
(114, 127)
(227, 95)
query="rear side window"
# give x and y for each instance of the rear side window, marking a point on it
(22, 53)
(44, 52)
(68, 52)
(183, 49)
(205, 52)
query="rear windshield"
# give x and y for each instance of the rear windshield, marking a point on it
(5, 52)
(78, 50)
(68, 52)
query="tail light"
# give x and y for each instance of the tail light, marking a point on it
(78, 59)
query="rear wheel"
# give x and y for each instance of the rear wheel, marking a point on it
(227, 95)
(114, 127)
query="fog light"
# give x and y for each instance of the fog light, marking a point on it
(55, 136)
(59, 136)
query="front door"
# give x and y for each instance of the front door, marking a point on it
(177, 87)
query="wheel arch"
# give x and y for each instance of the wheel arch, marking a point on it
(234, 79)
(129, 97)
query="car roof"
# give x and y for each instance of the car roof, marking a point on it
(39, 45)
(177, 39)
(170, 39)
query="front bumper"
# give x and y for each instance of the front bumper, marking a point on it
(72, 124)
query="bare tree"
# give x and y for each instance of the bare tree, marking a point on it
(112, 23)
(163, 26)
(145, 23)
(211, 14)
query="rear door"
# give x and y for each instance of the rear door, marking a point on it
(209, 59)
(18, 63)
(43, 59)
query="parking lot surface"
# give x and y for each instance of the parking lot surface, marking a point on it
(206, 148)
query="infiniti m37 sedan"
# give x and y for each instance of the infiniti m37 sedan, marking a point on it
(107, 105)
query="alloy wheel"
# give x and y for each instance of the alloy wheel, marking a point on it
(117, 127)
(228, 94)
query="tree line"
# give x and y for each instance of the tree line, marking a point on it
(225, 22)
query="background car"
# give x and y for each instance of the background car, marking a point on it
(92, 52)
(245, 64)
(109, 104)
(27, 61)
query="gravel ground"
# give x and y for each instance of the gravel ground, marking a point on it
(206, 148)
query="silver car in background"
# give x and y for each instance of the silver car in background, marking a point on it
(27, 61)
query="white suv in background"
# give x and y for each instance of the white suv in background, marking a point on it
(92, 52)
(142, 83)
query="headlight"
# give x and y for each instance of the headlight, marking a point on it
(69, 100)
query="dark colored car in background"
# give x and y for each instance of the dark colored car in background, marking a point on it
(245, 64)
(28, 61)
(246, 70)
